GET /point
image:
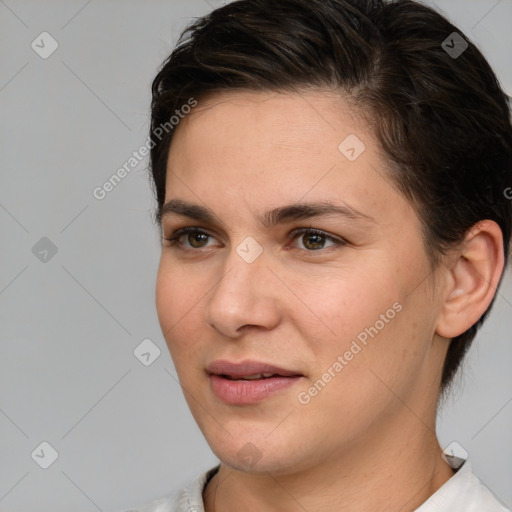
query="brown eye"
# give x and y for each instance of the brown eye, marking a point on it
(195, 238)
(314, 240)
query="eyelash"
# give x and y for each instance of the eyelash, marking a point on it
(173, 240)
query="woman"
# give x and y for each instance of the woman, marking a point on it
(330, 179)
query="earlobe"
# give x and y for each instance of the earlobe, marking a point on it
(472, 279)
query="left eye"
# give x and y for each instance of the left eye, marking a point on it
(313, 239)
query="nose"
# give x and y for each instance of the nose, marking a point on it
(245, 295)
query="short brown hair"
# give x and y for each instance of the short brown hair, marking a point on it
(442, 119)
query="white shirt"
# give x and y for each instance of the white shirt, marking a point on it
(463, 492)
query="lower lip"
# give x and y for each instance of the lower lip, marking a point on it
(249, 391)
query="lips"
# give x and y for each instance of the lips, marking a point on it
(248, 381)
(252, 377)
(248, 369)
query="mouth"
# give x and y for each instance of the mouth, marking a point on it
(249, 381)
(256, 376)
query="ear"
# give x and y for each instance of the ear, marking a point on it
(471, 279)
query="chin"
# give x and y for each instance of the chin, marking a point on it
(258, 455)
(256, 465)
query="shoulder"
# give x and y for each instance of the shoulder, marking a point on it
(188, 499)
(463, 492)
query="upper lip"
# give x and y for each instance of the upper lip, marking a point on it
(247, 367)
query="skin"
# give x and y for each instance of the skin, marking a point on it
(367, 440)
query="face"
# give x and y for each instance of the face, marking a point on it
(329, 315)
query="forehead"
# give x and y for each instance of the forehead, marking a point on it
(260, 150)
(307, 122)
(263, 134)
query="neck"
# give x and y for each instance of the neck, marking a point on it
(380, 471)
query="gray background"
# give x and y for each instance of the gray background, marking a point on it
(69, 325)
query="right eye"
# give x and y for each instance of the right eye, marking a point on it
(194, 236)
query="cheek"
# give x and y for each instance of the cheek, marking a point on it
(364, 316)
(178, 304)
(381, 340)
(166, 298)
(347, 302)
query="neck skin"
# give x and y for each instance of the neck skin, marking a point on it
(392, 467)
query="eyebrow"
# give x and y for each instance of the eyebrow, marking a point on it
(271, 218)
